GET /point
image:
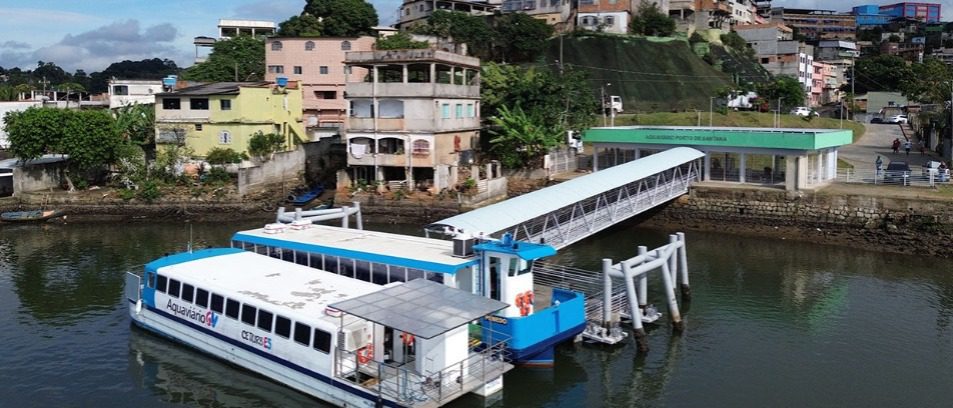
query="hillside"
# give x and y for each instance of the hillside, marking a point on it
(650, 75)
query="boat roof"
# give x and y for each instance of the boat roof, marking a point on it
(420, 307)
(298, 290)
(429, 254)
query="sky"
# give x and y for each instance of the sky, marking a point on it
(91, 34)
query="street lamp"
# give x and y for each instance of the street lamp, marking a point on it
(602, 92)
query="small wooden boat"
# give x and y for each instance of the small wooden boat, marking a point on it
(303, 197)
(30, 216)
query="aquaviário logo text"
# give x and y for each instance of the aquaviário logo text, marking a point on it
(208, 318)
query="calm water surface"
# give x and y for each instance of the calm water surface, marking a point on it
(772, 323)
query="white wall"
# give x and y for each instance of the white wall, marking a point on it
(12, 107)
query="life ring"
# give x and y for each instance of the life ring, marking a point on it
(365, 354)
(524, 301)
(407, 338)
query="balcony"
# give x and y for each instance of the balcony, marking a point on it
(411, 90)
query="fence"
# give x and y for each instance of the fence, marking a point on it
(919, 178)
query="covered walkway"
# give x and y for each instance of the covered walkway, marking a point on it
(568, 212)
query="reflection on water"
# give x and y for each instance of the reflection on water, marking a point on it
(772, 323)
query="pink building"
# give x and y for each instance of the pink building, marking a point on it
(824, 84)
(318, 65)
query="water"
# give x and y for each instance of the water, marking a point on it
(772, 323)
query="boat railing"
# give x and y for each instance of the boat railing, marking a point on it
(402, 383)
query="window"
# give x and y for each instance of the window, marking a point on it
(309, 46)
(264, 320)
(151, 283)
(297, 70)
(302, 334)
(421, 147)
(198, 103)
(326, 94)
(459, 110)
(323, 70)
(322, 341)
(201, 297)
(173, 288)
(282, 326)
(345, 45)
(120, 90)
(470, 112)
(225, 104)
(445, 111)
(170, 103)
(276, 45)
(231, 308)
(161, 283)
(407, 11)
(198, 127)
(218, 303)
(224, 137)
(276, 69)
(188, 292)
(610, 20)
(248, 314)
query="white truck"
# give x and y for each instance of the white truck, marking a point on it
(613, 102)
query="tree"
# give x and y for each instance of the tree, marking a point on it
(343, 18)
(304, 25)
(137, 123)
(734, 40)
(91, 139)
(929, 83)
(786, 88)
(651, 21)
(518, 37)
(153, 68)
(565, 99)
(261, 144)
(241, 58)
(399, 41)
(521, 138)
(879, 73)
(463, 28)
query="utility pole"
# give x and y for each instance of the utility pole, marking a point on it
(853, 61)
(602, 90)
(711, 108)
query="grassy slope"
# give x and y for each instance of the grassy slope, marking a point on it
(742, 119)
(649, 76)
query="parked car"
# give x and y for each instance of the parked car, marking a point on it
(897, 119)
(802, 111)
(877, 120)
(936, 169)
(897, 172)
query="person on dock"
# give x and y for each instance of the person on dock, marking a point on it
(896, 146)
(880, 165)
(907, 146)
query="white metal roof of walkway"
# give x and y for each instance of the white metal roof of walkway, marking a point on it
(625, 182)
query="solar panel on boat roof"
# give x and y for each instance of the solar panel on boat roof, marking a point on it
(420, 307)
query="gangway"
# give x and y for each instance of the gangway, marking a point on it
(565, 213)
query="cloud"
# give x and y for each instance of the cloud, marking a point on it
(95, 49)
(31, 16)
(269, 10)
(14, 45)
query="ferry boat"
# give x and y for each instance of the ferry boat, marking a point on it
(345, 341)
(537, 317)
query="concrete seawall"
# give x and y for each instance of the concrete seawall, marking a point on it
(893, 224)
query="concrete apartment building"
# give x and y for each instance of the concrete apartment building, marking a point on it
(824, 84)
(817, 24)
(317, 64)
(416, 12)
(227, 115)
(124, 92)
(779, 53)
(417, 119)
(228, 28)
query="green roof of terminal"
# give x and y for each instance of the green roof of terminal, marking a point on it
(769, 138)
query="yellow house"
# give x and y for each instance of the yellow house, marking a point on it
(227, 115)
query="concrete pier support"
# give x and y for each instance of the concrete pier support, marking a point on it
(672, 300)
(683, 267)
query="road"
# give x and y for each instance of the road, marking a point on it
(863, 153)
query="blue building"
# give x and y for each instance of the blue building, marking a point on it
(872, 15)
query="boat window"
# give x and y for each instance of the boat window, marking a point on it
(231, 308)
(414, 274)
(188, 292)
(173, 288)
(322, 341)
(264, 320)
(316, 261)
(301, 258)
(201, 297)
(161, 283)
(217, 303)
(362, 269)
(248, 314)
(282, 326)
(261, 249)
(303, 334)
(527, 267)
(435, 277)
(151, 282)
(287, 255)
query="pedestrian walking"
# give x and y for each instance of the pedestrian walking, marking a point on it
(880, 165)
(922, 148)
(906, 147)
(895, 146)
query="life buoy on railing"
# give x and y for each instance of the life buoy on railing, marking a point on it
(365, 354)
(524, 302)
(407, 338)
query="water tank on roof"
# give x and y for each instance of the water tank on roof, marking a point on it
(169, 82)
(282, 81)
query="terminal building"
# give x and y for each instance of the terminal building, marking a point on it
(792, 159)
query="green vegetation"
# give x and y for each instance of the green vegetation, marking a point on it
(786, 88)
(399, 41)
(514, 37)
(137, 123)
(47, 75)
(739, 119)
(521, 139)
(331, 18)
(304, 25)
(239, 59)
(651, 21)
(261, 144)
(219, 156)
